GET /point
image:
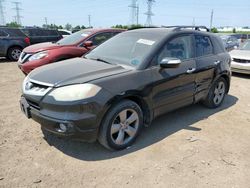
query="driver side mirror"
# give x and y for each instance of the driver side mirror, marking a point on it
(88, 44)
(170, 62)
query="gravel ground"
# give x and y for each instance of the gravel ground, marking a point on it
(191, 147)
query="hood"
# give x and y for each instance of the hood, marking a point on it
(41, 47)
(74, 71)
(240, 54)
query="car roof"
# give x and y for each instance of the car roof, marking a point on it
(97, 30)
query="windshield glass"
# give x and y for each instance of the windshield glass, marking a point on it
(74, 38)
(129, 48)
(246, 45)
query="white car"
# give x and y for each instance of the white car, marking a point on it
(241, 58)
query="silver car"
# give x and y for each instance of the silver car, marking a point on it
(241, 58)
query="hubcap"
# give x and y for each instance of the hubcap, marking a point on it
(124, 126)
(219, 92)
(15, 54)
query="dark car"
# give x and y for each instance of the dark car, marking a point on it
(75, 45)
(12, 42)
(230, 42)
(38, 35)
(126, 82)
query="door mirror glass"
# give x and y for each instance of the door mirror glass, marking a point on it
(88, 44)
(170, 62)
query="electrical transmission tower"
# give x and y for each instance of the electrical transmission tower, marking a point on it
(18, 16)
(134, 13)
(2, 19)
(149, 13)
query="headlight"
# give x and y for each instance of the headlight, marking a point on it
(39, 55)
(75, 92)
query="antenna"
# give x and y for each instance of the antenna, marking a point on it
(149, 13)
(17, 8)
(2, 19)
(134, 12)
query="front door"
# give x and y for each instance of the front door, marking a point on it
(174, 87)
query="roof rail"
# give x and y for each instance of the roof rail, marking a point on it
(178, 28)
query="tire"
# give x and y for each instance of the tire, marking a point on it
(216, 93)
(14, 53)
(121, 125)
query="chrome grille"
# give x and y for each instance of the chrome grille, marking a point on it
(32, 87)
(241, 60)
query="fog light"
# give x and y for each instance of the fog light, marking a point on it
(63, 127)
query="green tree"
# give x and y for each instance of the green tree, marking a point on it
(77, 27)
(234, 30)
(68, 26)
(13, 25)
(83, 27)
(214, 30)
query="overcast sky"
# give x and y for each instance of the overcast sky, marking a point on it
(105, 13)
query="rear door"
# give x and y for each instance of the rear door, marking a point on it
(174, 87)
(206, 62)
(3, 42)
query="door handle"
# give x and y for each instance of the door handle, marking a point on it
(217, 62)
(190, 70)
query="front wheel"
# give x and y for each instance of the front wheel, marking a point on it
(216, 94)
(121, 125)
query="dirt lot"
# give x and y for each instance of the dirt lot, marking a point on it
(191, 147)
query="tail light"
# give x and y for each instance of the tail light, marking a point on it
(27, 40)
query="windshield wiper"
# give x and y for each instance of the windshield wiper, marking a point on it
(102, 60)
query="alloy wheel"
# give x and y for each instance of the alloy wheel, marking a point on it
(15, 53)
(219, 92)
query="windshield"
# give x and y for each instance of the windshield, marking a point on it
(129, 48)
(74, 38)
(246, 45)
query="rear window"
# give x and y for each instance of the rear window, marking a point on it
(13, 32)
(40, 32)
(3, 34)
(203, 45)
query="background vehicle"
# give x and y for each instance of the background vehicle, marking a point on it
(126, 82)
(241, 58)
(230, 42)
(74, 45)
(64, 32)
(38, 35)
(12, 42)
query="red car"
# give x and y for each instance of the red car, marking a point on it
(74, 45)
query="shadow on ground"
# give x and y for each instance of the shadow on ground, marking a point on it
(161, 128)
(4, 60)
(240, 75)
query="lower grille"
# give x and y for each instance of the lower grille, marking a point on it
(241, 60)
(33, 104)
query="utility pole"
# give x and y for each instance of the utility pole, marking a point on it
(17, 8)
(134, 12)
(149, 13)
(89, 17)
(46, 22)
(193, 22)
(211, 19)
(2, 18)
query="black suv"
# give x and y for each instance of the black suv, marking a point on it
(126, 82)
(12, 42)
(38, 35)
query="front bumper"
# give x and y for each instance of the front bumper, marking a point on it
(240, 67)
(82, 126)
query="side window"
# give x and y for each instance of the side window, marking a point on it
(203, 45)
(180, 47)
(100, 38)
(3, 34)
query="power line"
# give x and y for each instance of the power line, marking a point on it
(2, 18)
(18, 16)
(134, 12)
(149, 13)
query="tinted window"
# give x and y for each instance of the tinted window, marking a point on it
(203, 45)
(180, 47)
(64, 33)
(3, 34)
(13, 32)
(100, 38)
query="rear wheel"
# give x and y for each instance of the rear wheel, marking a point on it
(121, 125)
(14, 53)
(216, 94)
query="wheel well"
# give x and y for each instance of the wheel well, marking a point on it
(226, 77)
(14, 46)
(143, 105)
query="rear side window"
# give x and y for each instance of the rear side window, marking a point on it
(14, 32)
(203, 45)
(180, 47)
